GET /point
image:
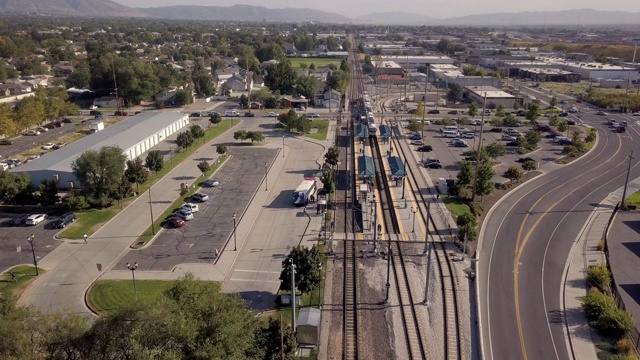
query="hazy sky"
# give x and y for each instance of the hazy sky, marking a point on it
(433, 8)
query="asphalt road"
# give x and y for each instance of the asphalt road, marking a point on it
(197, 240)
(530, 234)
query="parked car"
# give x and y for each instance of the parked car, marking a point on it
(175, 222)
(194, 208)
(4, 166)
(571, 122)
(496, 130)
(42, 129)
(231, 113)
(637, 113)
(506, 137)
(58, 124)
(184, 214)
(32, 133)
(425, 148)
(67, 121)
(36, 219)
(48, 146)
(19, 220)
(272, 114)
(602, 113)
(468, 135)
(93, 107)
(32, 157)
(620, 129)
(563, 114)
(210, 183)
(433, 112)
(521, 113)
(565, 141)
(59, 145)
(524, 159)
(313, 115)
(542, 128)
(460, 143)
(557, 139)
(415, 137)
(95, 112)
(64, 220)
(551, 136)
(195, 114)
(200, 197)
(121, 113)
(417, 142)
(13, 162)
(426, 122)
(453, 112)
(249, 114)
(6, 142)
(512, 143)
(432, 163)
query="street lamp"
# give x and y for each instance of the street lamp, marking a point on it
(33, 252)
(266, 182)
(413, 210)
(235, 247)
(282, 145)
(133, 276)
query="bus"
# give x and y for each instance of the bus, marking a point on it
(304, 191)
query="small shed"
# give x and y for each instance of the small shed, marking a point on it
(365, 166)
(308, 329)
(397, 167)
(362, 131)
(96, 125)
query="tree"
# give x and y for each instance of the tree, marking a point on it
(48, 192)
(255, 136)
(554, 101)
(135, 172)
(554, 120)
(183, 97)
(415, 126)
(197, 132)
(455, 92)
(288, 119)
(529, 166)
(532, 139)
(244, 101)
(484, 182)
(421, 109)
(473, 109)
(575, 136)
(513, 174)
(154, 161)
(500, 110)
(328, 182)
(562, 126)
(367, 60)
(184, 139)
(303, 124)
(221, 149)
(99, 173)
(466, 226)
(306, 86)
(273, 336)
(494, 150)
(533, 111)
(122, 191)
(241, 135)
(204, 166)
(332, 157)
(307, 261)
(281, 77)
(465, 177)
(215, 118)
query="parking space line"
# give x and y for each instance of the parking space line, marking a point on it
(256, 271)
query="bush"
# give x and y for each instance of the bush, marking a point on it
(624, 346)
(476, 208)
(76, 201)
(594, 304)
(600, 277)
(602, 312)
(466, 219)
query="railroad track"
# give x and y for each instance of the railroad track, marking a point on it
(452, 343)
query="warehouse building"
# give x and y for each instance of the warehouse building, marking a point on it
(494, 96)
(134, 135)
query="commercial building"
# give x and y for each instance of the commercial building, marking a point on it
(450, 74)
(412, 63)
(134, 135)
(493, 96)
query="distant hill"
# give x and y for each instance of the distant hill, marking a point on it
(243, 13)
(567, 17)
(396, 17)
(85, 8)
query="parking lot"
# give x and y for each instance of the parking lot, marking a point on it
(451, 156)
(197, 241)
(14, 236)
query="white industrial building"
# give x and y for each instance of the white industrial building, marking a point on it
(134, 135)
(450, 74)
(493, 96)
(413, 62)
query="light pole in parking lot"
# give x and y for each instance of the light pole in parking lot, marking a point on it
(33, 252)
(282, 145)
(235, 243)
(413, 210)
(133, 268)
(266, 182)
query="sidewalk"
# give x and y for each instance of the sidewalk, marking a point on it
(73, 267)
(580, 337)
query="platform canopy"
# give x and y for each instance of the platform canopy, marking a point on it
(362, 130)
(396, 166)
(385, 131)
(365, 166)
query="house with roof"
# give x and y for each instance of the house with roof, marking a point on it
(258, 82)
(109, 102)
(16, 88)
(239, 83)
(328, 99)
(62, 68)
(321, 73)
(167, 98)
(290, 48)
(289, 101)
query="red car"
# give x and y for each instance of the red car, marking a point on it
(175, 222)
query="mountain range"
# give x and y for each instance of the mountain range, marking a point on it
(109, 8)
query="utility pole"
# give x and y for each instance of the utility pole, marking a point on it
(424, 103)
(626, 182)
(115, 84)
(426, 286)
(281, 339)
(153, 229)
(388, 285)
(293, 296)
(475, 178)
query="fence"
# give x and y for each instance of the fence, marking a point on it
(634, 336)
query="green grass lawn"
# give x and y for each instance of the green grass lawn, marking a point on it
(590, 144)
(634, 198)
(322, 126)
(318, 62)
(25, 274)
(108, 295)
(455, 205)
(157, 224)
(89, 221)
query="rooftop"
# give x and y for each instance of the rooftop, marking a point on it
(490, 92)
(123, 134)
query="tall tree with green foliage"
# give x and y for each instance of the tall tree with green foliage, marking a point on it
(154, 161)
(48, 190)
(484, 184)
(306, 86)
(203, 166)
(184, 139)
(332, 157)
(196, 131)
(307, 261)
(500, 110)
(533, 111)
(455, 92)
(183, 97)
(513, 174)
(328, 180)
(464, 177)
(473, 109)
(135, 172)
(280, 77)
(99, 173)
(494, 150)
(277, 339)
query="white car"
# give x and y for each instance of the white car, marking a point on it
(42, 129)
(93, 107)
(190, 207)
(33, 133)
(200, 197)
(184, 214)
(36, 219)
(48, 146)
(210, 183)
(637, 113)
(417, 142)
(272, 114)
(468, 135)
(427, 122)
(313, 115)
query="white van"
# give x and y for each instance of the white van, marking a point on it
(450, 134)
(448, 128)
(231, 113)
